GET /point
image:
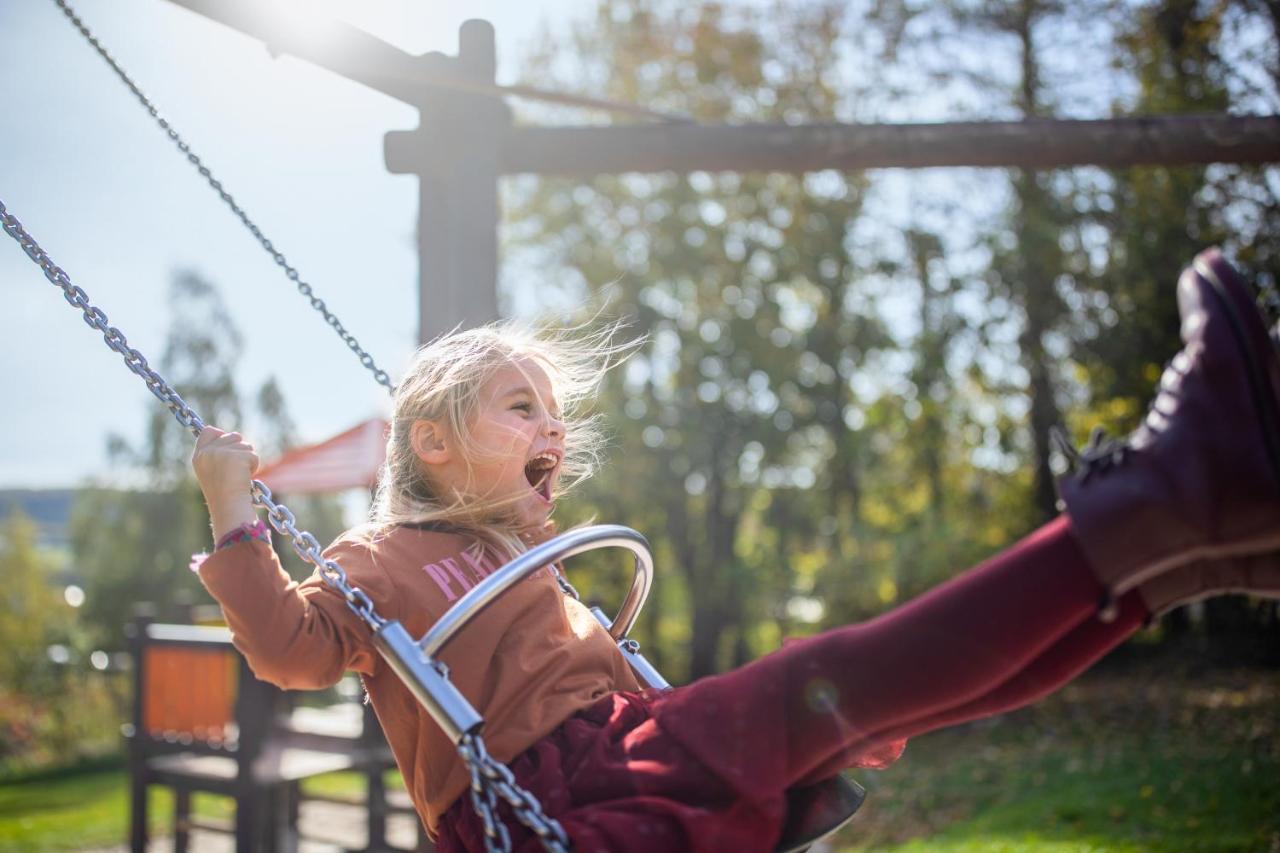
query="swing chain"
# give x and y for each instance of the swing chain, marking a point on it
(484, 800)
(379, 375)
(565, 587)
(96, 319)
(490, 777)
(308, 548)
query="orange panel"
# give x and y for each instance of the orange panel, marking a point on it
(189, 692)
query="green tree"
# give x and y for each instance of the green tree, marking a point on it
(1026, 257)
(34, 613)
(1155, 218)
(832, 413)
(45, 661)
(780, 447)
(744, 286)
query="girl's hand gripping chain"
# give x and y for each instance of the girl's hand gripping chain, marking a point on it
(224, 464)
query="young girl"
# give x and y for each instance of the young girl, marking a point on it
(486, 430)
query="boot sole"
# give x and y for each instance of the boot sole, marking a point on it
(1234, 296)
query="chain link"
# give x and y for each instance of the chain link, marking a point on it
(305, 289)
(491, 779)
(565, 587)
(308, 548)
(484, 800)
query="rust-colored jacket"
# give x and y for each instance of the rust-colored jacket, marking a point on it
(531, 660)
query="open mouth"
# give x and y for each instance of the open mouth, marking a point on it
(538, 472)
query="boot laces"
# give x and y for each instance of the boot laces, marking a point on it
(1101, 452)
(1098, 454)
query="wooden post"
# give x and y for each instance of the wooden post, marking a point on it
(181, 819)
(459, 139)
(136, 634)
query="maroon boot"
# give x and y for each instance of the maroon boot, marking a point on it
(1200, 478)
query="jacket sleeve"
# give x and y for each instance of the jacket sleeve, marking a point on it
(298, 636)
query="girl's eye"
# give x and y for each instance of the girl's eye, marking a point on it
(524, 407)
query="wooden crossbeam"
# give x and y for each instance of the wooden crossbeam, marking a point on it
(583, 151)
(333, 45)
(1039, 144)
(370, 61)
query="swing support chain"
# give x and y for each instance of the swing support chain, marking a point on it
(489, 778)
(379, 375)
(96, 319)
(309, 550)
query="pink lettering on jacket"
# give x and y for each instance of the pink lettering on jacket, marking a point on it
(450, 576)
(441, 578)
(479, 565)
(456, 570)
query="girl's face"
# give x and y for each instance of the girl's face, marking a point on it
(515, 446)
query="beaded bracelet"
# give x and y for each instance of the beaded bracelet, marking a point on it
(244, 533)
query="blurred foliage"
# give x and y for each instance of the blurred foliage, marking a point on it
(35, 614)
(46, 658)
(830, 412)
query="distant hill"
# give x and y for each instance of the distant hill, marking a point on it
(50, 509)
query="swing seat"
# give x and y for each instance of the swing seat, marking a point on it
(813, 811)
(818, 810)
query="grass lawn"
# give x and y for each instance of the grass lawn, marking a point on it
(75, 810)
(69, 811)
(1123, 761)
(1117, 761)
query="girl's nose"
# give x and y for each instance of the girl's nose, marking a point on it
(554, 426)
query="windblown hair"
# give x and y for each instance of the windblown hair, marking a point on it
(442, 384)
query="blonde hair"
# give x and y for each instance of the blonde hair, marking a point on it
(442, 384)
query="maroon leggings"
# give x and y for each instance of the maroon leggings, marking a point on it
(994, 638)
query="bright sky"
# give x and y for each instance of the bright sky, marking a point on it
(97, 183)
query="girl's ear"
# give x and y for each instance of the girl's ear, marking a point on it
(428, 441)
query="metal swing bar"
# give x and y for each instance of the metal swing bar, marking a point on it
(418, 664)
(562, 547)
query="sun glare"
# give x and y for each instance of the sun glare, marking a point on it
(305, 26)
(300, 23)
